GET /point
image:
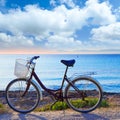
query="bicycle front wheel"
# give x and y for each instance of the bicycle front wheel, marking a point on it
(19, 102)
(83, 95)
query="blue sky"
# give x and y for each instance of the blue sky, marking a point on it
(60, 26)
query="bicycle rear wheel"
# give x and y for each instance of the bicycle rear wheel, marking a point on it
(15, 98)
(84, 95)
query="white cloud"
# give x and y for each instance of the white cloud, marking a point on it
(109, 33)
(53, 2)
(117, 12)
(9, 41)
(100, 13)
(70, 3)
(61, 22)
(34, 20)
(63, 43)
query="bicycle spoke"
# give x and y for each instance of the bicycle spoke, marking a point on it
(86, 97)
(16, 100)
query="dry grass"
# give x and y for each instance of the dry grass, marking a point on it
(3, 108)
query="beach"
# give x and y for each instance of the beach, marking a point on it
(108, 113)
(98, 114)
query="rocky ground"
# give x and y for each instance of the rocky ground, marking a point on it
(110, 113)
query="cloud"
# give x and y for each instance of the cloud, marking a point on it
(99, 13)
(53, 2)
(68, 3)
(9, 41)
(61, 43)
(107, 34)
(117, 13)
(55, 28)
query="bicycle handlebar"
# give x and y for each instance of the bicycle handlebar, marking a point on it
(34, 58)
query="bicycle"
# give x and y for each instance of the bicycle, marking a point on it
(82, 94)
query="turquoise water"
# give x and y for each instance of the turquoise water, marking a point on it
(50, 69)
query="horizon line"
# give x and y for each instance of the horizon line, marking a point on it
(53, 53)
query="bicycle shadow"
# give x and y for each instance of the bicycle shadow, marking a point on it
(85, 116)
(33, 116)
(30, 116)
(90, 116)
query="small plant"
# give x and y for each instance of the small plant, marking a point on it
(89, 102)
(43, 108)
(104, 103)
(1, 105)
(2, 108)
(60, 106)
(78, 103)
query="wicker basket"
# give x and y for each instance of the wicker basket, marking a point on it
(21, 68)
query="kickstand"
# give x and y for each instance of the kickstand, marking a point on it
(63, 109)
(62, 105)
(52, 105)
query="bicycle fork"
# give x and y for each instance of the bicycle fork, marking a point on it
(27, 88)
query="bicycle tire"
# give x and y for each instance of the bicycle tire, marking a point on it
(19, 103)
(85, 96)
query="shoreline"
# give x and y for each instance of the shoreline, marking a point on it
(2, 92)
(106, 95)
(115, 97)
(111, 93)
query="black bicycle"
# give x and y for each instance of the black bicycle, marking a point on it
(82, 94)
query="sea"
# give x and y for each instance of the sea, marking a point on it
(106, 69)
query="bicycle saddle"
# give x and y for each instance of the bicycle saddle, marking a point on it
(68, 63)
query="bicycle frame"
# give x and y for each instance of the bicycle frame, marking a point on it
(58, 95)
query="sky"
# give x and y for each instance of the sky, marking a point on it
(60, 26)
